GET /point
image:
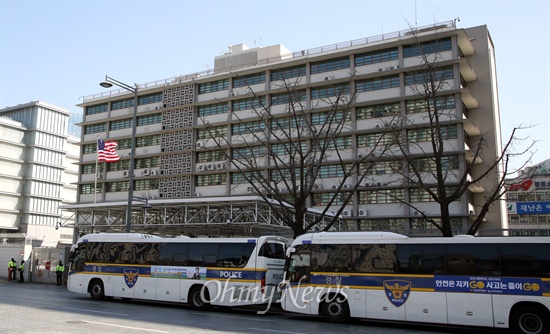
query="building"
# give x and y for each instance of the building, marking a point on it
(529, 201)
(188, 186)
(38, 172)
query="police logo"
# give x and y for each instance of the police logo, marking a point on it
(131, 276)
(397, 291)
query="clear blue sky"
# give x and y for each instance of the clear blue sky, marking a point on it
(58, 51)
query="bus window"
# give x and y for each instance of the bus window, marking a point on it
(78, 258)
(421, 258)
(330, 258)
(203, 254)
(529, 260)
(472, 259)
(272, 250)
(173, 254)
(234, 255)
(298, 267)
(373, 258)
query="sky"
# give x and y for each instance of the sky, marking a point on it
(59, 51)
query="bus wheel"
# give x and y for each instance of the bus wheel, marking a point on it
(530, 320)
(335, 309)
(96, 289)
(196, 298)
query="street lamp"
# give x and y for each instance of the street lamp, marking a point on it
(108, 83)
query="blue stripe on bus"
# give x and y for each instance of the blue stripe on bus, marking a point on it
(466, 284)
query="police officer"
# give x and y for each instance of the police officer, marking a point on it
(21, 270)
(12, 266)
(59, 269)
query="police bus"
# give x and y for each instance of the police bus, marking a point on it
(474, 281)
(198, 271)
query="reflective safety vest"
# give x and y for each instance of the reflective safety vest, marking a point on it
(59, 268)
(11, 264)
(22, 267)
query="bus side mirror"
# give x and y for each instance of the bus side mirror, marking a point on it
(290, 250)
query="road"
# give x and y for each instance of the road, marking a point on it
(44, 308)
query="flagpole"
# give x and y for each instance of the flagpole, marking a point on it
(96, 160)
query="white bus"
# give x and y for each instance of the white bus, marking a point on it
(501, 282)
(198, 271)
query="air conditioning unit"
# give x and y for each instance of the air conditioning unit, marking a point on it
(157, 107)
(379, 184)
(334, 187)
(201, 168)
(249, 189)
(363, 212)
(125, 173)
(211, 167)
(347, 186)
(330, 77)
(345, 213)
(196, 194)
(154, 172)
(233, 94)
(416, 213)
(220, 165)
(317, 186)
(378, 126)
(380, 69)
(360, 155)
(146, 172)
(99, 176)
(394, 124)
(367, 184)
(199, 144)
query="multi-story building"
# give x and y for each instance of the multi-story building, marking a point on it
(174, 172)
(529, 201)
(38, 172)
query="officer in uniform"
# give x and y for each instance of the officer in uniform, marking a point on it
(21, 270)
(59, 269)
(12, 266)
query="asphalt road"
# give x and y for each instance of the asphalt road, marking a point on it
(44, 308)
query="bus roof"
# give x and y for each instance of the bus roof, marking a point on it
(390, 237)
(139, 237)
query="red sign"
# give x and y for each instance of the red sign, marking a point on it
(48, 265)
(525, 185)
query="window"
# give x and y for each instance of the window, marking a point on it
(272, 250)
(340, 143)
(213, 109)
(527, 260)
(89, 189)
(250, 103)
(147, 184)
(240, 178)
(214, 86)
(397, 225)
(422, 195)
(210, 156)
(212, 132)
(425, 48)
(380, 110)
(428, 164)
(373, 258)
(325, 198)
(330, 65)
(421, 259)
(288, 73)
(97, 109)
(377, 84)
(95, 128)
(121, 104)
(425, 134)
(374, 139)
(249, 152)
(149, 119)
(148, 162)
(330, 117)
(117, 186)
(381, 167)
(210, 180)
(292, 97)
(333, 171)
(441, 103)
(124, 143)
(420, 77)
(235, 254)
(249, 80)
(376, 57)
(288, 123)
(89, 148)
(146, 141)
(150, 98)
(248, 127)
(290, 148)
(90, 168)
(330, 258)
(121, 124)
(382, 196)
(472, 259)
(330, 91)
(118, 165)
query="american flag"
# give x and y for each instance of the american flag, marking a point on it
(106, 151)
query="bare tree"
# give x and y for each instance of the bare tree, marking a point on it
(431, 169)
(281, 148)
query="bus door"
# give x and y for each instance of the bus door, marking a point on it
(271, 257)
(297, 280)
